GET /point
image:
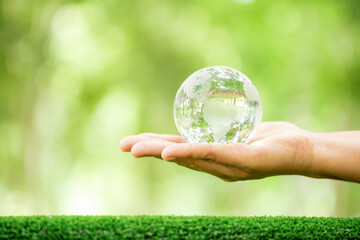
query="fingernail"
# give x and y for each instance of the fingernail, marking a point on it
(170, 159)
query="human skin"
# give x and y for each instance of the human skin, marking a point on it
(278, 148)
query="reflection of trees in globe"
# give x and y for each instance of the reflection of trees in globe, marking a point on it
(217, 104)
(192, 123)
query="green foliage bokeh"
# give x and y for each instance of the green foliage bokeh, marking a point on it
(77, 76)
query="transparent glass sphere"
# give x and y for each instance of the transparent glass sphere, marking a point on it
(217, 105)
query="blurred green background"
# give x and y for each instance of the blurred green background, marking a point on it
(78, 76)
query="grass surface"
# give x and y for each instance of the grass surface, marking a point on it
(173, 227)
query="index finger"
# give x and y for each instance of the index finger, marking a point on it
(128, 142)
(228, 154)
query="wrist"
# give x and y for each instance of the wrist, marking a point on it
(309, 165)
(314, 161)
(312, 155)
(330, 159)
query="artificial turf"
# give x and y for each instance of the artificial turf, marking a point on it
(176, 227)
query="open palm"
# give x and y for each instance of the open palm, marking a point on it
(277, 148)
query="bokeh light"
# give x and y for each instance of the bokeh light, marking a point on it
(78, 76)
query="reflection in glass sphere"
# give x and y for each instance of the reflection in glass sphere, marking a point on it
(217, 105)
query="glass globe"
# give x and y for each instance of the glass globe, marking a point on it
(217, 105)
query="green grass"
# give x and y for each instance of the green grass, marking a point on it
(174, 227)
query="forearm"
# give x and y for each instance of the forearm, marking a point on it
(336, 155)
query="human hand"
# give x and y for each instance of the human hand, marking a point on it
(277, 148)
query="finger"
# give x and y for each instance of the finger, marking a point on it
(267, 129)
(208, 167)
(128, 142)
(149, 148)
(219, 153)
(258, 136)
(261, 132)
(166, 137)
